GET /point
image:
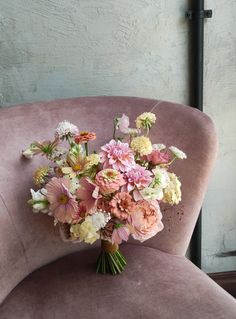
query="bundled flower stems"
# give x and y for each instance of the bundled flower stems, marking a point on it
(110, 195)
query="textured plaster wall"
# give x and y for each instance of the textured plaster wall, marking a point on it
(219, 213)
(64, 48)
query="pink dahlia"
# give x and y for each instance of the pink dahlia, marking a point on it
(109, 180)
(62, 203)
(157, 157)
(138, 177)
(88, 193)
(146, 221)
(117, 155)
(120, 234)
(122, 206)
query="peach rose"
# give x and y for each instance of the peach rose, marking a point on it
(146, 220)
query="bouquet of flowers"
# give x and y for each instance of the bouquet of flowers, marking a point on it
(110, 195)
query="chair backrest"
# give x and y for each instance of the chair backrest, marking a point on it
(28, 240)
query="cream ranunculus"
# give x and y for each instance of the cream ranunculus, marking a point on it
(172, 193)
(155, 190)
(86, 231)
(151, 194)
(161, 178)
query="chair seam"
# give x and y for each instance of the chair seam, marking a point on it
(17, 233)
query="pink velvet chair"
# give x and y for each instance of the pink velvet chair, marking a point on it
(42, 277)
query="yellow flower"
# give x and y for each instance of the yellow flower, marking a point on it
(172, 193)
(92, 160)
(41, 175)
(145, 120)
(142, 145)
(85, 232)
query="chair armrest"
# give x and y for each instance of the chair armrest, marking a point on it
(13, 262)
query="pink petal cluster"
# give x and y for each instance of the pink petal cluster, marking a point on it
(120, 234)
(63, 204)
(124, 124)
(138, 177)
(81, 213)
(109, 181)
(122, 206)
(88, 193)
(146, 221)
(117, 155)
(157, 157)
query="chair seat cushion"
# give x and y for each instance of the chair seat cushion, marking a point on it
(154, 285)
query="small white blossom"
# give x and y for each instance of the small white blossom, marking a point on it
(39, 201)
(158, 147)
(28, 153)
(177, 152)
(65, 128)
(161, 178)
(100, 219)
(151, 194)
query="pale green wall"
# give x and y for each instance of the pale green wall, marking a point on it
(63, 48)
(53, 49)
(219, 218)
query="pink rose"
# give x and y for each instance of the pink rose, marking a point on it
(146, 220)
(157, 157)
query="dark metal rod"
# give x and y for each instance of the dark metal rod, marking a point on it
(198, 68)
(199, 57)
(197, 52)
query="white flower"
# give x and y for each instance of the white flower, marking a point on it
(100, 219)
(150, 193)
(177, 152)
(28, 153)
(155, 190)
(39, 201)
(158, 147)
(161, 178)
(65, 128)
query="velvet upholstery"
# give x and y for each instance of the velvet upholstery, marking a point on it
(29, 241)
(155, 285)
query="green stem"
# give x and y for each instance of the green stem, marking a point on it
(114, 131)
(110, 263)
(86, 149)
(168, 164)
